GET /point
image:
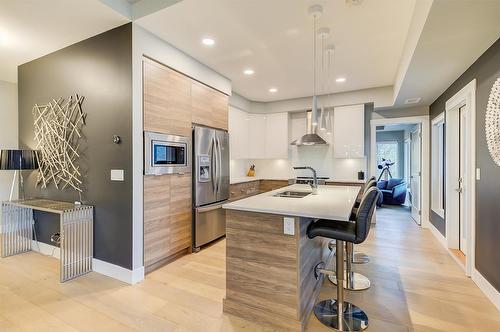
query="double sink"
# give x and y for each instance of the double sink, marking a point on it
(292, 194)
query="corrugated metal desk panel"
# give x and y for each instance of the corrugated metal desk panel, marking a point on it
(76, 229)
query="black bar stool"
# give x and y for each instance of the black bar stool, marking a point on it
(357, 257)
(336, 313)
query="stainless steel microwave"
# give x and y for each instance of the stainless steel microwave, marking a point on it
(166, 154)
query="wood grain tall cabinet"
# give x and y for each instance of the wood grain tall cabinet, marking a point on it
(172, 102)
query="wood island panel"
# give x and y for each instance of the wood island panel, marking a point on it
(269, 275)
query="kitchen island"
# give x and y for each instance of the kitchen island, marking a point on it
(269, 258)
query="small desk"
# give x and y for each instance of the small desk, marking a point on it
(76, 229)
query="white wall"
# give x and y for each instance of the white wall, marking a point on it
(8, 131)
(145, 43)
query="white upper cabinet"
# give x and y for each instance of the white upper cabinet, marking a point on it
(258, 136)
(349, 131)
(277, 136)
(238, 133)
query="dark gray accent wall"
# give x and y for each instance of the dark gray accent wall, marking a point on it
(485, 70)
(100, 69)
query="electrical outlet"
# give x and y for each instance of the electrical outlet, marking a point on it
(117, 175)
(478, 174)
(288, 226)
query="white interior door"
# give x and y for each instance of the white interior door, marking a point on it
(462, 183)
(415, 172)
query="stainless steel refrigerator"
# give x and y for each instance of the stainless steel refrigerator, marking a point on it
(210, 184)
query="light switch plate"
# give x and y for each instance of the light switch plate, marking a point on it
(288, 226)
(117, 175)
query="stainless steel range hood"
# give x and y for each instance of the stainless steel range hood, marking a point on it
(310, 138)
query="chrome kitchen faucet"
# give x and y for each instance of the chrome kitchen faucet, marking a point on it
(314, 184)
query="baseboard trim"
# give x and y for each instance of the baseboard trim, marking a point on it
(437, 234)
(118, 272)
(484, 285)
(99, 266)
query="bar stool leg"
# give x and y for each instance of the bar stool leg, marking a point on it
(339, 314)
(357, 258)
(352, 280)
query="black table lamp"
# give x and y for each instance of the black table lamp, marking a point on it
(18, 160)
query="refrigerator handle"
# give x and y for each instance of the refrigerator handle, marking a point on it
(213, 165)
(219, 165)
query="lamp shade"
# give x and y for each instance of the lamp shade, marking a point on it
(18, 159)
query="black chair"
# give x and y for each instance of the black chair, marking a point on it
(338, 314)
(358, 257)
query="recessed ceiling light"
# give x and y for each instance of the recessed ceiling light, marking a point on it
(340, 80)
(208, 41)
(273, 90)
(248, 71)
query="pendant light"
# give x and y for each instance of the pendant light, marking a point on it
(329, 50)
(315, 11)
(323, 33)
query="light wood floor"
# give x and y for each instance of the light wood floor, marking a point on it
(416, 286)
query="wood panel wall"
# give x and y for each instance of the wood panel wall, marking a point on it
(172, 102)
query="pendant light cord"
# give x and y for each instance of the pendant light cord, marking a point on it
(314, 57)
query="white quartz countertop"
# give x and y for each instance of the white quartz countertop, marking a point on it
(331, 202)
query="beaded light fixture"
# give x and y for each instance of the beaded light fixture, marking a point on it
(493, 122)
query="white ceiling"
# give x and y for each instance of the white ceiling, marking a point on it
(34, 28)
(404, 48)
(275, 39)
(455, 34)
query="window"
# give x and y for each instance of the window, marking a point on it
(388, 151)
(437, 165)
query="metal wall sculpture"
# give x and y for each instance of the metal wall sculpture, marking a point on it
(493, 122)
(58, 129)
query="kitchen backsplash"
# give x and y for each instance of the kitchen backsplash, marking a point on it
(340, 169)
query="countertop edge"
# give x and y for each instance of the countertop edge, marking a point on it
(284, 213)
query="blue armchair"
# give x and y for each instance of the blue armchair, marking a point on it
(393, 191)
